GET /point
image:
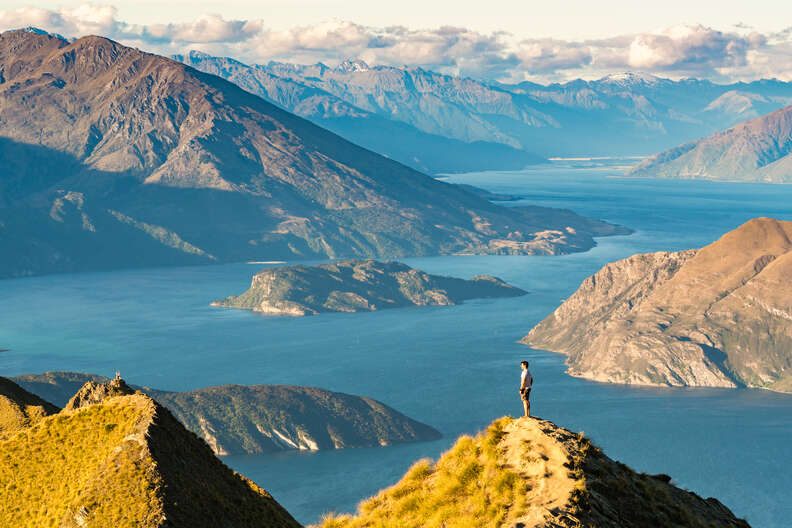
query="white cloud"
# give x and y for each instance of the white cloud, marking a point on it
(691, 50)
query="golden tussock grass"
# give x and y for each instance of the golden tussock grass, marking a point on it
(467, 487)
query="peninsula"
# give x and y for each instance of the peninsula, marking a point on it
(240, 419)
(720, 316)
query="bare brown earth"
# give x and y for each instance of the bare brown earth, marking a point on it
(717, 316)
(115, 158)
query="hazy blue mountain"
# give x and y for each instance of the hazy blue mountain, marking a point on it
(757, 150)
(398, 140)
(113, 157)
(624, 114)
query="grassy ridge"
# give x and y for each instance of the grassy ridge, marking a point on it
(467, 487)
(47, 469)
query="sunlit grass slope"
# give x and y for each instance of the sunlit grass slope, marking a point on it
(469, 486)
(20, 408)
(124, 462)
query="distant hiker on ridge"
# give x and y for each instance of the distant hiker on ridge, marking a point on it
(526, 380)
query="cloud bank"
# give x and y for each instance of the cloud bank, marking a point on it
(739, 53)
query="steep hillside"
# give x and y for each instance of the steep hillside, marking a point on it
(358, 285)
(19, 408)
(717, 316)
(124, 462)
(532, 473)
(115, 157)
(758, 150)
(398, 140)
(237, 419)
(266, 418)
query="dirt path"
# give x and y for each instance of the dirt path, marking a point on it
(540, 458)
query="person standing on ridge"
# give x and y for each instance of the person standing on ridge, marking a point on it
(526, 381)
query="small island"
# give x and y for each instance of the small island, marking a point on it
(358, 286)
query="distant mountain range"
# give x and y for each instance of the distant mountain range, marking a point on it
(758, 150)
(625, 114)
(114, 158)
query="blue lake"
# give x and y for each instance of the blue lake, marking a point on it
(455, 368)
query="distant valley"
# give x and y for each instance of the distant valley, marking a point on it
(358, 285)
(506, 126)
(720, 316)
(118, 158)
(759, 150)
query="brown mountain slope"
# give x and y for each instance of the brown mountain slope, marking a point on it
(118, 157)
(125, 461)
(532, 473)
(756, 150)
(19, 408)
(718, 316)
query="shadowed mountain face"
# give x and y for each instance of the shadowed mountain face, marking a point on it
(758, 151)
(236, 419)
(718, 316)
(122, 158)
(358, 285)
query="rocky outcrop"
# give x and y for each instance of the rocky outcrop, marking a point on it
(235, 419)
(358, 285)
(759, 150)
(533, 473)
(96, 392)
(720, 316)
(19, 408)
(115, 158)
(125, 461)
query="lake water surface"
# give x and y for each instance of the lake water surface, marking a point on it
(455, 368)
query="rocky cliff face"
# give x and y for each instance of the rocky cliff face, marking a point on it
(532, 473)
(757, 150)
(719, 316)
(358, 285)
(236, 419)
(114, 157)
(124, 462)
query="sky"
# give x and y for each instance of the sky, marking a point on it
(504, 40)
